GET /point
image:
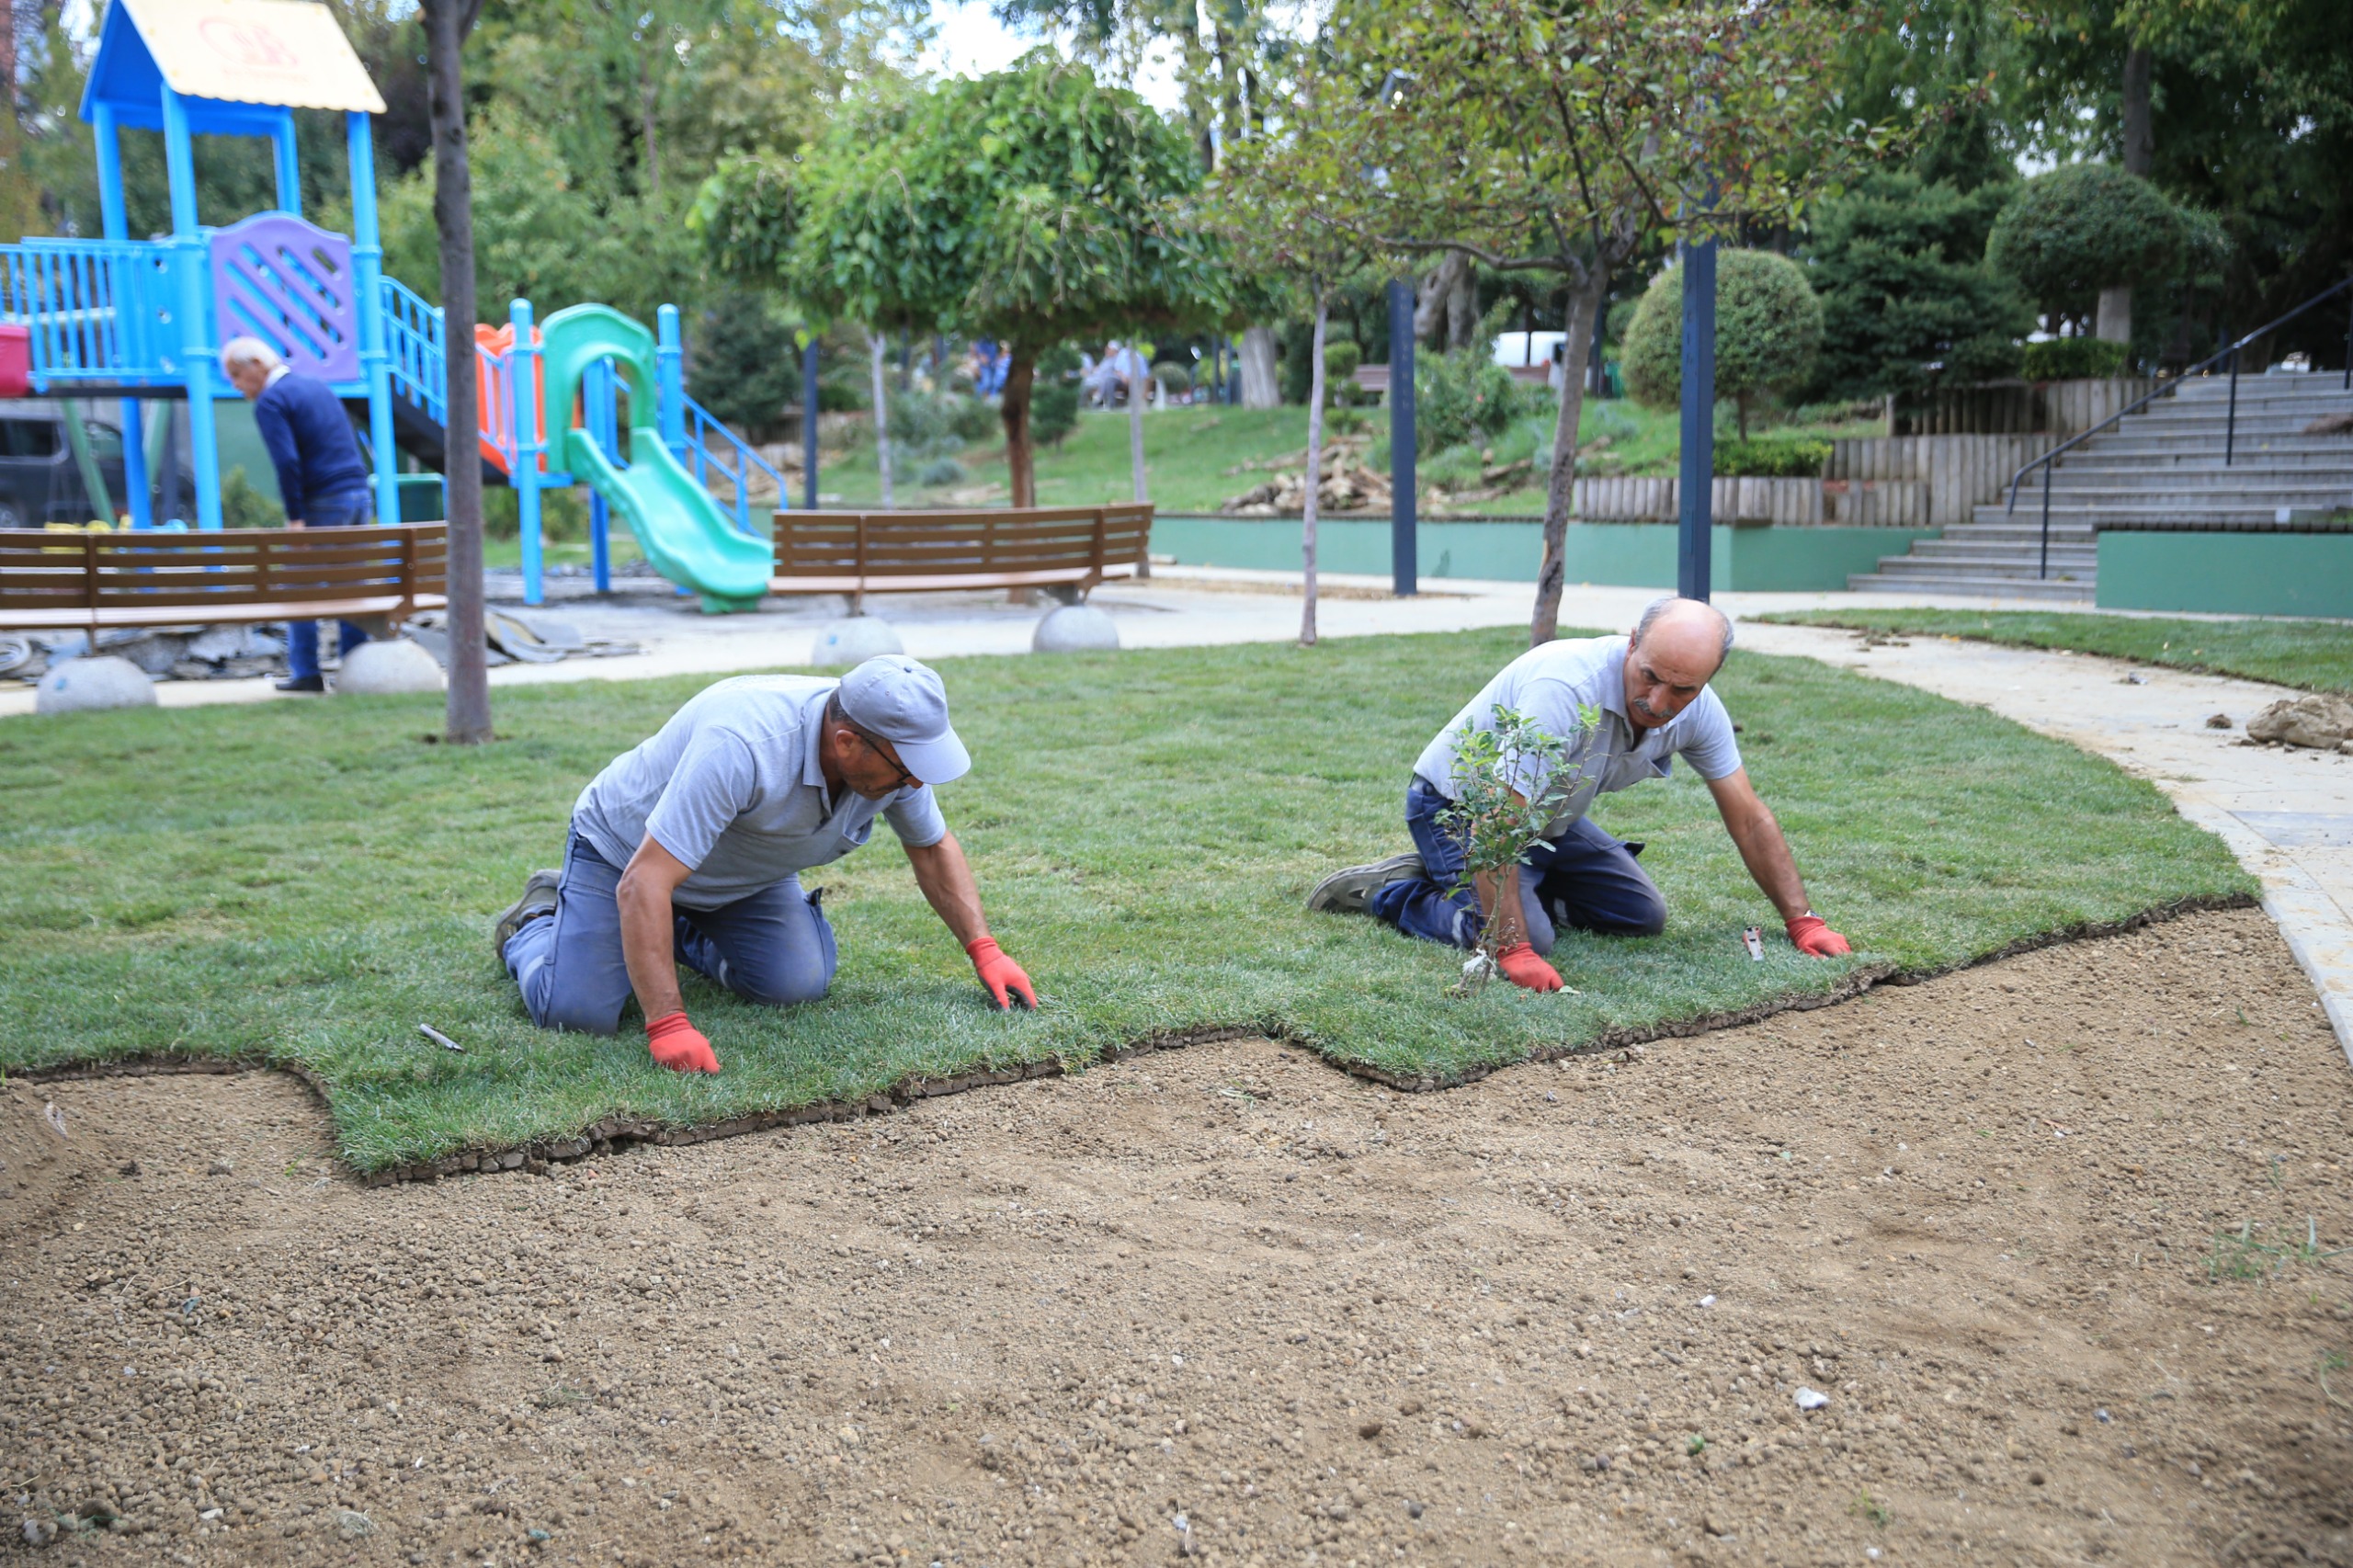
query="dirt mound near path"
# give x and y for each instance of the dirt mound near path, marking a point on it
(1229, 1303)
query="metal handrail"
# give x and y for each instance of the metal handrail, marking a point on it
(2166, 389)
(700, 421)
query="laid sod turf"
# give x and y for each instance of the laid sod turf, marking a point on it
(306, 884)
(2314, 654)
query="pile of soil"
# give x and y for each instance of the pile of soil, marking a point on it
(1226, 1304)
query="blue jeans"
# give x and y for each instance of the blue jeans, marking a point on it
(774, 947)
(1584, 879)
(346, 511)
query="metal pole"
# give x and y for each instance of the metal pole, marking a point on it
(1405, 562)
(2231, 427)
(808, 422)
(1696, 520)
(2043, 569)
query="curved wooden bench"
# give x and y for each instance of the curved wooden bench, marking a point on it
(900, 552)
(152, 579)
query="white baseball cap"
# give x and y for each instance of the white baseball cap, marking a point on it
(902, 701)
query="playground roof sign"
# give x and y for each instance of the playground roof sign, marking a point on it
(269, 53)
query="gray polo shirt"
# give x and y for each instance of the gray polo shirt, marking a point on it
(733, 787)
(1549, 684)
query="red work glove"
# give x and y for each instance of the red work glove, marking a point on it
(1005, 979)
(680, 1046)
(1521, 966)
(1813, 936)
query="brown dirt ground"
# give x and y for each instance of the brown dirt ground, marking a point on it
(1226, 1302)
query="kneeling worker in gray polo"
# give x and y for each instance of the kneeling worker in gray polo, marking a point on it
(1649, 696)
(690, 849)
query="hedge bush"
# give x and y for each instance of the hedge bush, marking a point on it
(1773, 456)
(2074, 359)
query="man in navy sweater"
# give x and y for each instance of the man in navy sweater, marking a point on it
(320, 474)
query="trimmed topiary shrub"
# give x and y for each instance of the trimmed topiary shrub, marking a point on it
(2081, 228)
(1053, 396)
(1769, 328)
(1461, 398)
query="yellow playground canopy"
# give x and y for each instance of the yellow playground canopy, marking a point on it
(280, 52)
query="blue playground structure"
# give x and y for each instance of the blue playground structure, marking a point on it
(146, 319)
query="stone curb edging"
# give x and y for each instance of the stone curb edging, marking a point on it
(616, 1134)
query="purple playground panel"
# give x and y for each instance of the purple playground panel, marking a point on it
(290, 283)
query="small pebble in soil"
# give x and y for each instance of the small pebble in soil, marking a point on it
(1812, 1399)
(1370, 1430)
(1413, 1511)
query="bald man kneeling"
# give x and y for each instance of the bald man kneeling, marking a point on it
(1650, 692)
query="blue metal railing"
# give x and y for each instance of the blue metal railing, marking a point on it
(97, 308)
(416, 340)
(700, 425)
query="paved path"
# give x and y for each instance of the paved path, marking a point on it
(2288, 815)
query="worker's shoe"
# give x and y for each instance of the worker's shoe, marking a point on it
(303, 682)
(539, 898)
(1347, 892)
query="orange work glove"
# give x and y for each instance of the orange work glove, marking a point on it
(1005, 979)
(1521, 966)
(680, 1046)
(1814, 937)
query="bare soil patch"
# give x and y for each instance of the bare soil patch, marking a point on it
(1227, 1303)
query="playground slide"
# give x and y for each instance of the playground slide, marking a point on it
(678, 526)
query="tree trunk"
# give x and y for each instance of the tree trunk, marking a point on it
(2140, 131)
(1260, 386)
(1430, 305)
(1740, 413)
(1560, 485)
(1138, 382)
(1463, 310)
(446, 22)
(1013, 408)
(1310, 503)
(882, 416)
(2115, 316)
(645, 130)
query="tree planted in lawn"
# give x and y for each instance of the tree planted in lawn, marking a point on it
(1032, 205)
(2082, 229)
(1509, 782)
(1567, 136)
(1280, 203)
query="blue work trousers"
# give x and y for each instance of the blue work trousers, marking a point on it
(1585, 880)
(346, 511)
(774, 947)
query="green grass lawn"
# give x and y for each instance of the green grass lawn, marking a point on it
(1189, 453)
(2317, 655)
(305, 883)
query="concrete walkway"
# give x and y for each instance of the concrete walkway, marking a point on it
(2288, 815)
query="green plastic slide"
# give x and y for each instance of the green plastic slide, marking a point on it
(682, 531)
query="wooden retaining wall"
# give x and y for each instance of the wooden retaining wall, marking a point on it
(1955, 473)
(2018, 408)
(1783, 502)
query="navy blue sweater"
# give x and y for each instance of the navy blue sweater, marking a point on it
(311, 445)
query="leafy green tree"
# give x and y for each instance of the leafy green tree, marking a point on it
(1276, 204)
(1540, 136)
(1899, 265)
(1769, 328)
(1033, 206)
(2079, 228)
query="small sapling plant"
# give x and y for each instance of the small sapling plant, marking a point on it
(1493, 822)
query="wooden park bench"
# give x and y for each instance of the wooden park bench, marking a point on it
(59, 580)
(1070, 548)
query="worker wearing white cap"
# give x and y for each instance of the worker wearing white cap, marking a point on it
(690, 849)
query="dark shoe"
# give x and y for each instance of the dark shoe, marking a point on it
(1347, 892)
(539, 898)
(303, 682)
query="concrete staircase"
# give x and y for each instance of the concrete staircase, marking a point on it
(2162, 465)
